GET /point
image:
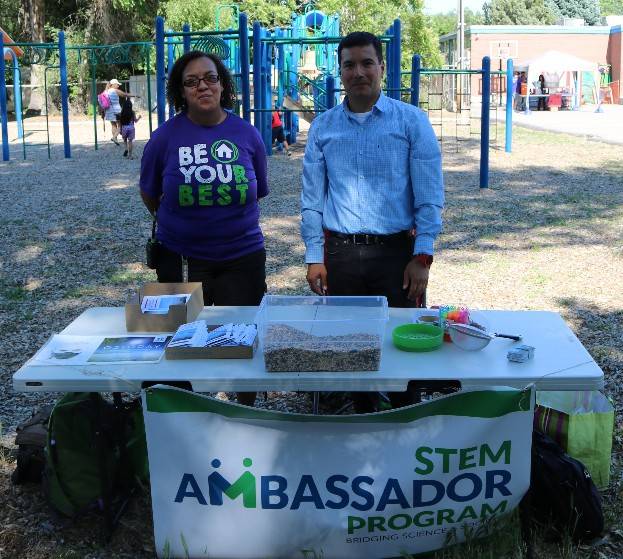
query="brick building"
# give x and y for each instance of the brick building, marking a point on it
(601, 44)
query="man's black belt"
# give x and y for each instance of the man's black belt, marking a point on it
(369, 239)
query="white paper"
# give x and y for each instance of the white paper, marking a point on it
(196, 334)
(159, 304)
(67, 350)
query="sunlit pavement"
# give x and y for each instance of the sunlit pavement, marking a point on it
(606, 125)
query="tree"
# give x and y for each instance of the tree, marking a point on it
(517, 12)
(588, 10)
(31, 22)
(447, 23)
(9, 22)
(611, 7)
(356, 15)
(420, 37)
(417, 33)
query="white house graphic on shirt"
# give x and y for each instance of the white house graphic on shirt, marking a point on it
(224, 151)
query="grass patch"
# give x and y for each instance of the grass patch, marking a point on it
(13, 291)
(540, 137)
(82, 291)
(122, 277)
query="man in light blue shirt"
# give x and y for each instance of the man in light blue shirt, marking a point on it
(371, 176)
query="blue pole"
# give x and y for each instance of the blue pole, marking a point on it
(257, 82)
(62, 55)
(186, 29)
(397, 76)
(243, 33)
(3, 111)
(170, 62)
(17, 96)
(509, 106)
(160, 77)
(389, 54)
(330, 92)
(416, 63)
(265, 95)
(484, 122)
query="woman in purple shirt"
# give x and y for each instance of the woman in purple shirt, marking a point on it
(202, 174)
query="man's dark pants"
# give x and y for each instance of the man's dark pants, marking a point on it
(371, 269)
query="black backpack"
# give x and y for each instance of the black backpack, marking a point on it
(58, 446)
(32, 435)
(563, 496)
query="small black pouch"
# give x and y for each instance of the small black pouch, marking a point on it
(152, 249)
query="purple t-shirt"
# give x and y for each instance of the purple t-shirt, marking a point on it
(210, 179)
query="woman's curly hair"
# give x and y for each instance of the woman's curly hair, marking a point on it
(175, 85)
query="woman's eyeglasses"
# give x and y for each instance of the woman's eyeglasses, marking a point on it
(208, 79)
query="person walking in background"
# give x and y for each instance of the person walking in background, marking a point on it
(127, 118)
(112, 112)
(521, 91)
(516, 97)
(278, 133)
(542, 105)
(371, 175)
(203, 173)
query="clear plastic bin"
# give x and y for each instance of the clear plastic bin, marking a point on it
(322, 333)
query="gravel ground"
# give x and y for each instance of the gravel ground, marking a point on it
(546, 235)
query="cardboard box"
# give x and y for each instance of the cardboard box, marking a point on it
(136, 321)
(218, 352)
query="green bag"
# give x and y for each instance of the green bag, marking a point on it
(77, 473)
(581, 423)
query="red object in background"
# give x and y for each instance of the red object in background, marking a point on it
(276, 120)
(610, 93)
(555, 100)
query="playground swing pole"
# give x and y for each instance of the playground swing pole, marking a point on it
(389, 55)
(148, 82)
(17, 92)
(186, 38)
(160, 74)
(484, 122)
(330, 86)
(509, 107)
(416, 66)
(243, 33)
(3, 109)
(170, 62)
(396, 57)
(64, 93)
(257, 85)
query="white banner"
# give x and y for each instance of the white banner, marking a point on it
(232, 481)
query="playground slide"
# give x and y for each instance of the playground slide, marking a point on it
(297, 106)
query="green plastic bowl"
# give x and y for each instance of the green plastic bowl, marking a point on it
(417, 337)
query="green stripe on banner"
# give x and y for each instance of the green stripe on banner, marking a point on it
(478, 403)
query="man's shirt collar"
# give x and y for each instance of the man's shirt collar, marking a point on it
(380, 105)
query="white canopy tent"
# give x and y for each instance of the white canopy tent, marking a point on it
(557, 67)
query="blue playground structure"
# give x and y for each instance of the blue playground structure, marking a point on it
(294, 70)
(42, 52)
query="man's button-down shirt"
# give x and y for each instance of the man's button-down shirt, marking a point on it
(380, 177)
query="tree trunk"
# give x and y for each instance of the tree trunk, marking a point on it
(31, 20)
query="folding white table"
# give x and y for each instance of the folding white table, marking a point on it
(560, 361)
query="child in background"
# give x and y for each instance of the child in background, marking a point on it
(127, 118)
(278, 133)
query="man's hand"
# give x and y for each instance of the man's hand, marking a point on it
(317, 278)
(415, 278)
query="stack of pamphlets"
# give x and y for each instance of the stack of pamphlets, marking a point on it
(65, 350)
(159, 304)
(196, 334)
